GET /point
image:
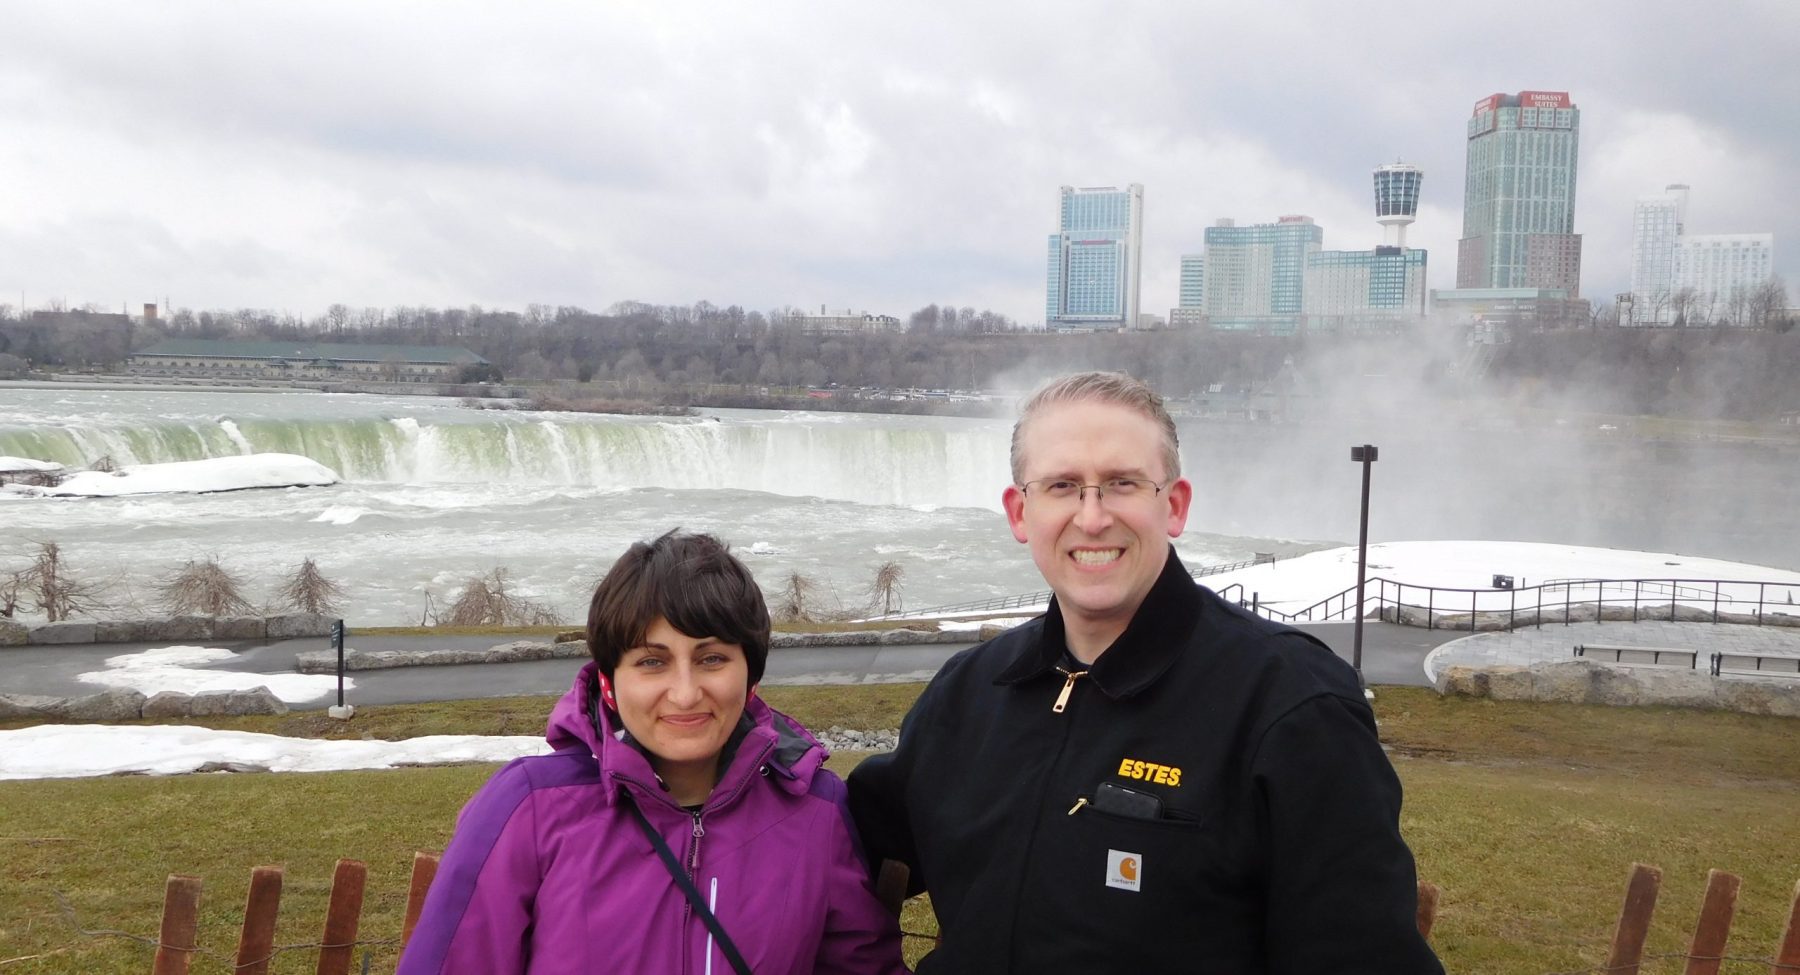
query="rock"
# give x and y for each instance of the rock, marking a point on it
(295, 625)
(120, 631)
(16, 706)
(179, 629)
(569, 649)
(56, 633)
(209, 704)
(168, 704)
(239, 628)
(14, 633)
(256, 700)
(112, 704)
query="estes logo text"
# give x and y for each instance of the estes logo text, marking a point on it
(1131, 768)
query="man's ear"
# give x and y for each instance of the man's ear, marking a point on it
(1013, 500)
(1181, 496)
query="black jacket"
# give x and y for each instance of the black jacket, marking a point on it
(1276, 848)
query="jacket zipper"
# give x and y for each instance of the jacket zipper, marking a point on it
(693, 864)
(1062, 699)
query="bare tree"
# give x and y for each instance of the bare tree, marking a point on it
(50, 587)
(202, 587)
(1681, 306)
(796, 599)
(308, 591)
(488, 600)
(884, 591)
(1767, 303)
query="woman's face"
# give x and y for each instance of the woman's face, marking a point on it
(681, 697)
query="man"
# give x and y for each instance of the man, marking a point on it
(1145, 779)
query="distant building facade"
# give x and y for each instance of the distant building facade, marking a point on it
(1362, 291)
(1255, 276)
(1678, 278)
(844, 323)
(1092, 268)
(1716, 273)
(1529, 309)
(1519, 194)
(223, 359)
(1190, 304)
(1657, 222)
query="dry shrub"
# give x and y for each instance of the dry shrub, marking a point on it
(50, 587)
(201, 587)
(884, 591)
(308, 591)
(488, 600)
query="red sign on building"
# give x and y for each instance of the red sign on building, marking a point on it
(1544, 99)
(1487, 104)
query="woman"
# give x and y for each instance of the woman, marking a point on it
(554, 868)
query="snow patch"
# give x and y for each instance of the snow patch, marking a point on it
(192, 477)
(179, 669)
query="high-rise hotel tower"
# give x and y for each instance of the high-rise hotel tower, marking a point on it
(1092, 275)
(1519, 194)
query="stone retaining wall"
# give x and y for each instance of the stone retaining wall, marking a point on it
(123, 704)
(1590, 682)
(173, 629)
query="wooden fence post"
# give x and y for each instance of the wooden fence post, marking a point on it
(1787, 957)
(180, 926)
(1706, 954)
(256, 943)
(1634, 920)
(424, 869)
(1427, 909)
(341, 917)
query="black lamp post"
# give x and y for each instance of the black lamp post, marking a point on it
(1366, 455)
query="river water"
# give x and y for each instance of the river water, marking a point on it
(435, 492)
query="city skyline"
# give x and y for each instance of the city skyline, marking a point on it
(381, 155)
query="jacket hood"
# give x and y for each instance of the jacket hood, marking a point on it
(774, 740)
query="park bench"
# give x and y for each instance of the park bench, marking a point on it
(1756, 664)
(1639, 656)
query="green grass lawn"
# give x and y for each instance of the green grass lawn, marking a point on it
(1529, 817)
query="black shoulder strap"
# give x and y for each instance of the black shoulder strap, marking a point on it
(687, 887)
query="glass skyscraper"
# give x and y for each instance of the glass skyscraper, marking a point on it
(1519, 194)
(1255, 276)
(1092, 271)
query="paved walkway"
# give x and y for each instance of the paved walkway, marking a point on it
(1554, 642)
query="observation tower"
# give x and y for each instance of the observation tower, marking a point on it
(1396, 200)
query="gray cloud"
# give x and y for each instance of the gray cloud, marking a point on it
(293, 156)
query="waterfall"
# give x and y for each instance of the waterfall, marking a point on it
(885, 461)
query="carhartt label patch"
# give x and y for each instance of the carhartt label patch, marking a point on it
(1124, 870)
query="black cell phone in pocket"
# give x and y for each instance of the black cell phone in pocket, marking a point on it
(1120, 801)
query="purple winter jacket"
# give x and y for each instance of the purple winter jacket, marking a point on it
(548, 871)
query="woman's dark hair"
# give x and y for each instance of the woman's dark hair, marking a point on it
(691, 580)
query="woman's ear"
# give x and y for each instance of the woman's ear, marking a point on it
(752, 693)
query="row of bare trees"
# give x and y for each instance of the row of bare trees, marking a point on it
(47, 584)
(203, 587)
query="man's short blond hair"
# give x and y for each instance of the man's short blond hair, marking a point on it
(1099, 387)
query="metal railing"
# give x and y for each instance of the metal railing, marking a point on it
(1554, 601)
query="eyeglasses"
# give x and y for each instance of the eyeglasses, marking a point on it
(1112, 492)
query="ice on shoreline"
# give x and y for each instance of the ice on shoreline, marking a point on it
(189, 477)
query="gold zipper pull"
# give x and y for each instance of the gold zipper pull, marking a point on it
(1062, 700)
(1078, 804)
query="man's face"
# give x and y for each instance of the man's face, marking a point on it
(1099, 555)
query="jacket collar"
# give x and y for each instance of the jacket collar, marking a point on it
(771, 740)
(1150, 644)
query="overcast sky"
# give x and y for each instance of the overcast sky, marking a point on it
(852, 154)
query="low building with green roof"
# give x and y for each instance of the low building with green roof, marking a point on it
(228, 359)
